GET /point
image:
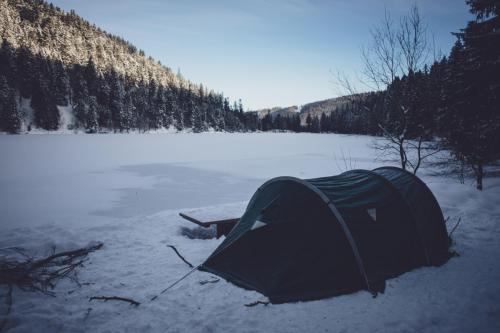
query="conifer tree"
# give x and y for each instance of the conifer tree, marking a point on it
(7, 63)
(91, 119)
(10, 118)
(80, 113)
(117, 93)
(128, 120)
(44, 107)
(91, 77)
(470, 123)
(26, 71)
(59, 83)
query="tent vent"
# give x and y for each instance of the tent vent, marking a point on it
(373, 213)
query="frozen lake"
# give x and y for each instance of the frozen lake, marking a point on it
(62, 192)
(85, 179)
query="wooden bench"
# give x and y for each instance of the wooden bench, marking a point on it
(223, 227)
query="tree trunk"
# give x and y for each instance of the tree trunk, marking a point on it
(479, 176)
(402, 156)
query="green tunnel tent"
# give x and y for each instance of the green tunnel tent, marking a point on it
(316, 238)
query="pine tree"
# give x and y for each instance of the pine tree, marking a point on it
(10, 118)
(152, 112)
(324, 123)
(484, 8)
(309, 121)
(7, 63)
(267, 122)
(26, 71)
(315, 125)
(161, 107)
(91, 77)
(470, 123)
(79, 97)
(44, 107)
(128, 120)
(59, 83)
(80, 109)
(170, 107)
(117, 93)
(103, 100)
(91, 119)
(175, 105)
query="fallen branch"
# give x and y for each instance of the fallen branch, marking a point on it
(19, 269)
(114, 298)
(257, 303)
(180, 256)
(41, 275)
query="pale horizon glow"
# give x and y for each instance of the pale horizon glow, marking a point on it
(266, 53)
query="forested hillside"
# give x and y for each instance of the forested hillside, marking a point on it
(51, 58)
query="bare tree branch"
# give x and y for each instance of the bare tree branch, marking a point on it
(114, 298)
(180, 256)
(413, 41)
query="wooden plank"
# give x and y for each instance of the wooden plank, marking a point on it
(192, 219)
(208, 223)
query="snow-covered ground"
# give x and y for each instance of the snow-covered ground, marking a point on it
(126, 191)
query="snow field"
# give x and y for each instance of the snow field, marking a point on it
(126, 191)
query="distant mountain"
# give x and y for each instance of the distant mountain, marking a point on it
(283, 112)
(358, 113)
(329, 106)
(314, 109)
(57, 69)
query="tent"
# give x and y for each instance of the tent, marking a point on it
(316, 238)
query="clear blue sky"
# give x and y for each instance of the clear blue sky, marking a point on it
(268, 53)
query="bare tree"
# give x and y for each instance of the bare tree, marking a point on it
(382, 59)
(396, 50)
(413, 41)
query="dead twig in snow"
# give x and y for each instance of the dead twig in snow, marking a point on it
(180, 256)
(41, 275)
(114, 298)
(19, 269)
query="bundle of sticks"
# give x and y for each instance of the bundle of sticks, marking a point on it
(30, 274)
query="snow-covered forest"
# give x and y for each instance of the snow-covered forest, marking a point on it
(52, 59)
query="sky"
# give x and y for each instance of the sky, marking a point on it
(266, 53)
